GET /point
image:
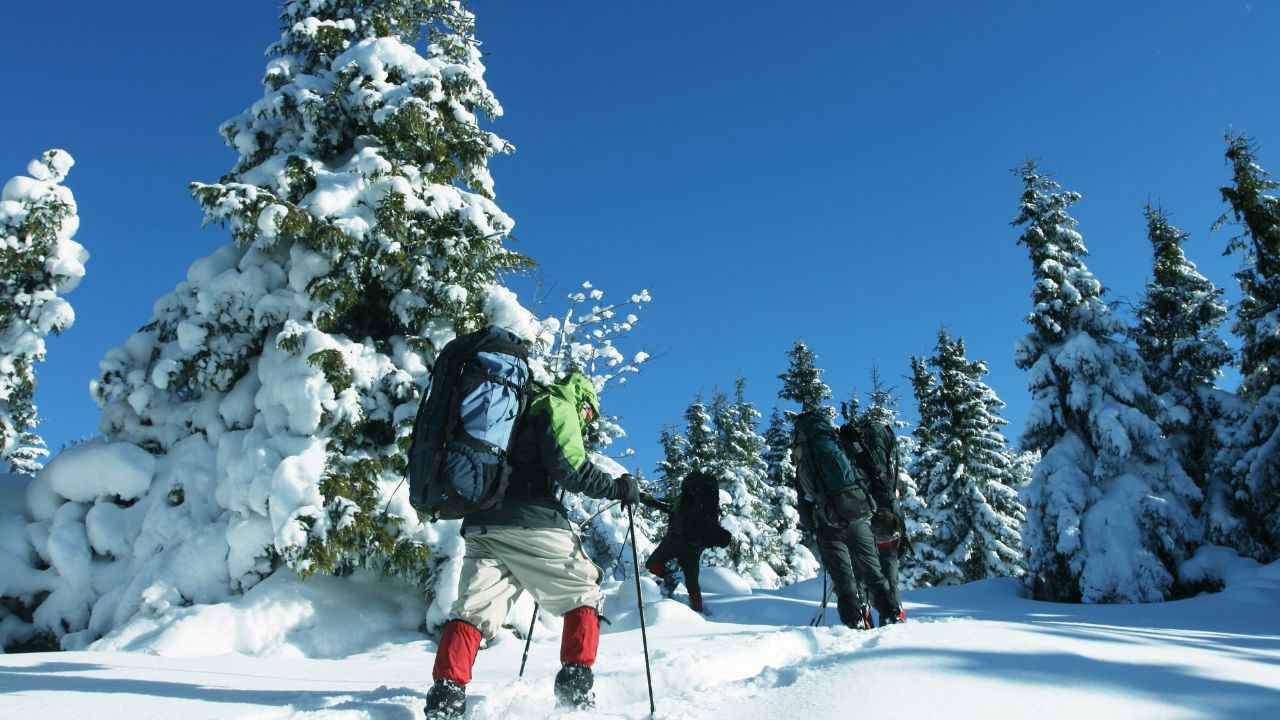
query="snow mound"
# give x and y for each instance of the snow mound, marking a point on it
(723, 581)
(283, 616)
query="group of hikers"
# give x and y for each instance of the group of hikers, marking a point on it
(519, 537)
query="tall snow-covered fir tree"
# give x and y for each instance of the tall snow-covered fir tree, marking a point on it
(1176, 334)
(260, 418)
(1109, 510)
(1251, 460)
(39, 263)
(971, 496)
(802, 382)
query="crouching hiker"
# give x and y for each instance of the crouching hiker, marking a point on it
(522, 541)
(873, 448)
(835, 492)
(694, 527)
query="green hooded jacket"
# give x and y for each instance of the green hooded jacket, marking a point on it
(549, 453)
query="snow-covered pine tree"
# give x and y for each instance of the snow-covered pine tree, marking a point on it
(802, 382)
(260, 418)
(972, 499)
(39, 263)
(1109, 509)
(741, 471)
(1251, 460)
(882, 407)
(798, 562)
(924, 387)
(1177, 337)
(700, 437)
(671, 470)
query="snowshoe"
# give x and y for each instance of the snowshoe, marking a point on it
(573, 688)
(446, 700)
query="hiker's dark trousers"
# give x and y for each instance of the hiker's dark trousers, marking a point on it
(849, 554)
(686, 553)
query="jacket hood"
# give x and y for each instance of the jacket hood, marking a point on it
(577, 389)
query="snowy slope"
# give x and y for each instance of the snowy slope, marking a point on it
(975, 651)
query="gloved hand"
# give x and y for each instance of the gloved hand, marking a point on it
(884, 522)
(627, 489)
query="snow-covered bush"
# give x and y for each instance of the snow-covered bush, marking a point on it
(39, 263)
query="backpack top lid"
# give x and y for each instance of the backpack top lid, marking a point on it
(812, 422)
(701, 486)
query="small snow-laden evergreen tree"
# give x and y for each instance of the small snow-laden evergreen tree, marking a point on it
(1177, 337)
(927, 461)
(671, 471)
(260, 418)
(926, 561)
(702, 452)
(739, 467)
(797, 561)
(1250, 462)
(919, 553)
(39, 263)
(1109, 510)
(802, 382)
(972, 499)
(584, 339)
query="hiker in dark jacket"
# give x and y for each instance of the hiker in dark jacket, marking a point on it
(873, 447)
(528, 544)
(842, 519)
(694, 527)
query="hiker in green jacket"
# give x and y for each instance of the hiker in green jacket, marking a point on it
(527, 543)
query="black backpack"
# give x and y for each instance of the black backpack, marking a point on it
(876, 456)
(699, 511)
(480, 389)
(837, 487)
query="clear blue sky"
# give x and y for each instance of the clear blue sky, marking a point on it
(836, 172)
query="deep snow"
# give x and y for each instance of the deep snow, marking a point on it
(328, 648)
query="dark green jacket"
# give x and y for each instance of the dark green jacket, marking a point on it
(547, 454)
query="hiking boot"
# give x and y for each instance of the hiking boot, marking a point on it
(573, 688)
(866, 618)
(893, 618)
(446, 700)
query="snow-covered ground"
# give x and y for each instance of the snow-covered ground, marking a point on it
(346, 649)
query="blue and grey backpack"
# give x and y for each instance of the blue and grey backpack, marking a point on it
(480, 388)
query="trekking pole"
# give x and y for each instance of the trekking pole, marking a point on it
(644, 635)
(528, 640)
(820, 617)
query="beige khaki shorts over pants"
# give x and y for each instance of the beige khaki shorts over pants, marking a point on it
(502, 561)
